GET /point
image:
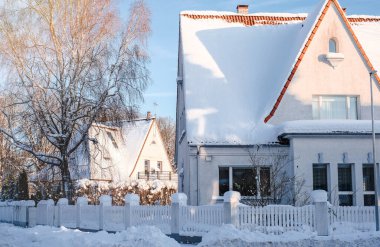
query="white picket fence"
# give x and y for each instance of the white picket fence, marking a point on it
(276, 219)
(198, 220)
(159, 216)
(362, 217)
(180, 218)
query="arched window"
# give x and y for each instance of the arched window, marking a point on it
(333, 48)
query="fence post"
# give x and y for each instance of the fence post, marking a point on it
(178, 200)
(130, 201)
(80, 201)
(61, 202)
(230, 206)
(105, 200)
(321, 212)
(26, 208)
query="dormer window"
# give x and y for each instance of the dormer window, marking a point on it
(333, 46)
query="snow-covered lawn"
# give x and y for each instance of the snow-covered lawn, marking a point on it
(46, 236)
(227, 235)
(341, 235)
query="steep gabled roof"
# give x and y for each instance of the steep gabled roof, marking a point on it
(130, 139)
(319, 18)
(237, 68)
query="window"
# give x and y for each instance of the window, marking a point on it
(345, 184)
(333, 46)
(369, 185)
(147, 166)
(110, 136)
(320, 177)
(159, 165)
(245, 180)
(224, 180)
(335, 107)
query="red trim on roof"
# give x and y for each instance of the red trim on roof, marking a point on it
(346, 21)
(251, 20)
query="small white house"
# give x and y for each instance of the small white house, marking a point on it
(265, 90)
(133, 151)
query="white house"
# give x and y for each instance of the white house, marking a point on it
(265, 90)
(134, 150)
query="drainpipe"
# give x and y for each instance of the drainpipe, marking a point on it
(198, 152)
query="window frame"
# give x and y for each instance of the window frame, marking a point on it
(347, 105)
(351, 192)
(112, 138)
(336, 46)
(159, 165)
(327, 167)
(258, 182)
(147, 166)
(368, 192)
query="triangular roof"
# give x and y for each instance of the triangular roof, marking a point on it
(317, 19)
(247, 59)
(130, 139)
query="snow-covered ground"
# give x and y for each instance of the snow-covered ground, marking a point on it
(227, 235)
(341, 235)
(46, 236)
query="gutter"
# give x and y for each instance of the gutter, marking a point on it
(198, 154)
(341, 133)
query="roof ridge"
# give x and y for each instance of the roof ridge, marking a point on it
(266, 18)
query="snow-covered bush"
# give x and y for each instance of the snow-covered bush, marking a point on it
(150, 192)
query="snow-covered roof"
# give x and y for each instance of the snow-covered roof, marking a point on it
(327, 127)
(134, 135)
(129, 139)
(368, 34)
(229, 86)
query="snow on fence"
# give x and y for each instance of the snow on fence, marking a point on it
(363, 217)
(276, 219)
(181, 219)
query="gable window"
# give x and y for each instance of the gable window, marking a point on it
(333, 46)
(110, 136)
(249, 181)
(345, 184)
(335, 107)
(368, 185)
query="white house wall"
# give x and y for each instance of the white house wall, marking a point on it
(154, 151)
(207, 171)
(305, 152)
(315, 76)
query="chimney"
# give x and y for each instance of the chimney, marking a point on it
(242, 9)
(345, 10)
(148, 115)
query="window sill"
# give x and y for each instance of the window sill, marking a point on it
(334, 58)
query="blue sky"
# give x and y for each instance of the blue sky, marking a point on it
(163, 43)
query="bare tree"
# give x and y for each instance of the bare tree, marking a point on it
(167, 129)
(68, 61)
(275, 184)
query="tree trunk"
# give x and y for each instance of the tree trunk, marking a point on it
(66, 180)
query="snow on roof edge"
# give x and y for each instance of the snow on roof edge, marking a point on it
(221, 13)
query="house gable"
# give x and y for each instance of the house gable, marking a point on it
(152, 149)
(331, 19)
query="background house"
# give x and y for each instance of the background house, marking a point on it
(263, 92)
(132, 151)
